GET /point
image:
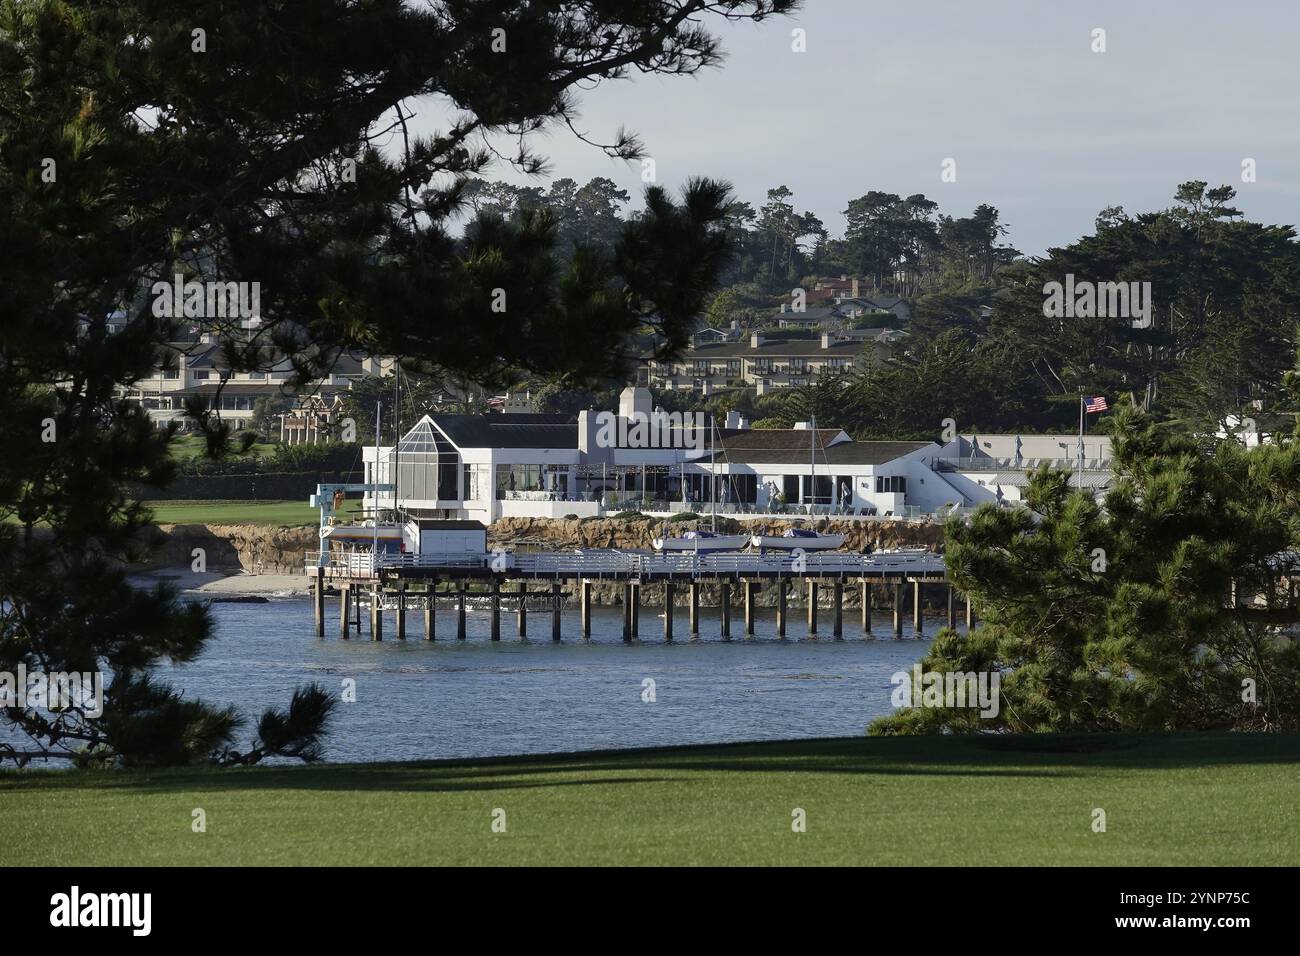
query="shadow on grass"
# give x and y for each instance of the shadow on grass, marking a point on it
(1019, 756)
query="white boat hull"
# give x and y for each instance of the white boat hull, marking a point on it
(723, 542)
(772, 542)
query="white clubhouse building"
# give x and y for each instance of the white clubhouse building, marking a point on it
(485, 467)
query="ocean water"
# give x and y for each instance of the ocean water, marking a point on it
(449, 698)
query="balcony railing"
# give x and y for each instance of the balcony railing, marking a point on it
(989, 463)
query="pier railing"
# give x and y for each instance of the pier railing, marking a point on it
(634, 565)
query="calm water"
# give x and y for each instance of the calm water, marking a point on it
(455, 698)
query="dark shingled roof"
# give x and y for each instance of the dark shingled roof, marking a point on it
(844, 453)
(773, 439)
(512, 430)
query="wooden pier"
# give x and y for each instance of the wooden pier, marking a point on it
(546, 580)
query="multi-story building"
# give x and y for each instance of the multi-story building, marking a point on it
(763, 363)
(198, 369)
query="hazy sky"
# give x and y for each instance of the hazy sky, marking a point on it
(1041, 127)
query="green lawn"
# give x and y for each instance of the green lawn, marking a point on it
(184, 447)
(920, 801)
(244, 512)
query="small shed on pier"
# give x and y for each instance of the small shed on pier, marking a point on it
(444, 536)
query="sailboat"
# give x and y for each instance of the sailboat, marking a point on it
(803, 538)
(701, 542)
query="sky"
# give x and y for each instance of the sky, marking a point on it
(1040, 126)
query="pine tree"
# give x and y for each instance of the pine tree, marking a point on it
(232, 142)
(1160, 608)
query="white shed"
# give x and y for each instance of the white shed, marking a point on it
(444, 536)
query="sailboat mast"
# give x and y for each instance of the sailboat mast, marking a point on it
(812, 469)
(713, 471)
(374, 493)
(397, 437)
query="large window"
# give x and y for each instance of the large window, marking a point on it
(427, 466)
(891, 484)
(524, 477)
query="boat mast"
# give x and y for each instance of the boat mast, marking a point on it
(812, 471)
(397, 439)
(713, 472)
(374, 552)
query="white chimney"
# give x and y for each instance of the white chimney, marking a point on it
(826, 340)
(586, 431)
(783, 308)
(634, 401)
(733, 419)
(755, 340)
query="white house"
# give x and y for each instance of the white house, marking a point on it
(484, 467)
(995, 467)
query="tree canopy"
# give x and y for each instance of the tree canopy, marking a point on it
(241, 143)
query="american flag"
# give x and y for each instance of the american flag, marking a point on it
(1096, 403)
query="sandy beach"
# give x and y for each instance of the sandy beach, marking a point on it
(226, 583)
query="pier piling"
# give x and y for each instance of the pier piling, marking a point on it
(430, 610)
(401, 611)
(780, 607)
(585, 610)
(898, 611)
(812, 608)
(916, 608)
(694, 613)
(496, 609)
(866, 608)
(376, 614)
(724, 589)
(557, 604)
(668, 611)
(460, 612)
(837, 626)
(627, 612)
(749, 607)
(522, 620)
(345, 610)
(319, 602)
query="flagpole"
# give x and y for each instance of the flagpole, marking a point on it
(1080, 449)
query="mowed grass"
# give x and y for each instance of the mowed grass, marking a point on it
(1201, 799)
(185, 447)
(242, 512)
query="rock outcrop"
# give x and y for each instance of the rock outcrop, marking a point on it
(635, 532)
